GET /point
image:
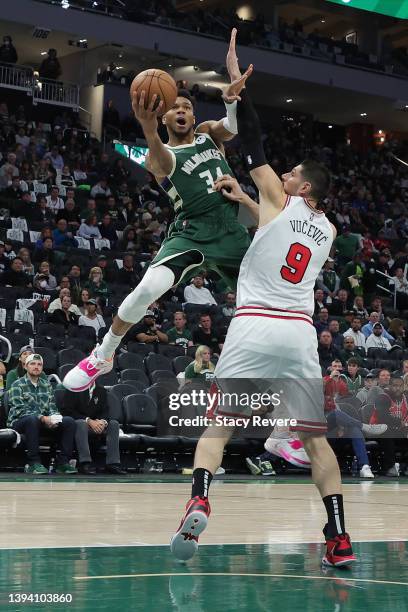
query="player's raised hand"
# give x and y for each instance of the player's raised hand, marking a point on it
(230, 188)
(232, 91)
(145, 115)
(232, 60)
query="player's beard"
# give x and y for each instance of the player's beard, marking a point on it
(180, 133)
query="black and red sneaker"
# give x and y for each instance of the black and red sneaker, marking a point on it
(339, 552)
(184, 543)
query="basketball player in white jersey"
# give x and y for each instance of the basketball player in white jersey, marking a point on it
(272, 337)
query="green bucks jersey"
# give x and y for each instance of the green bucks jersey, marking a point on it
(190, 184)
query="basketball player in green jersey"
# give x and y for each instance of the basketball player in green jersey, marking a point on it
(205, 232)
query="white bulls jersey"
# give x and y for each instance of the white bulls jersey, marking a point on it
(280, 268)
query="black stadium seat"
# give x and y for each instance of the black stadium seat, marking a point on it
(157, 362)
(129, 361)
(64, 369)
(115, 397)
(107, 380)
(140, 348)
(180, 363)
(140, 413)
(136, 375)
(70, 355)
(49, 358)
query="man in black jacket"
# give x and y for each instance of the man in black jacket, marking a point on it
(90, 411)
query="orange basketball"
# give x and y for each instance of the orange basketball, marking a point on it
(154, 81)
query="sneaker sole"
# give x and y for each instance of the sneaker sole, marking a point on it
(194, 524)
(254, 469)
(344, 563)
(91, 381)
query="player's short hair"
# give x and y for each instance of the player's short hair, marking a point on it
(318, 176)
(184, 93)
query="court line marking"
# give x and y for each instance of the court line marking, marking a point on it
(148, 545)
(169, 575)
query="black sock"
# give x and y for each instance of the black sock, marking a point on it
(201, 482)
(335, 515)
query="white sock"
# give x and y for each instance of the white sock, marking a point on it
(109, 345)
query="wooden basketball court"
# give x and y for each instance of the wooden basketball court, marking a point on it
(105, 542)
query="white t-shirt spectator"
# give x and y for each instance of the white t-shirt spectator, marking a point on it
(96, 323)
(195, 295)
(55, 205)
(374, 341)
(99, 190)
(358, 337)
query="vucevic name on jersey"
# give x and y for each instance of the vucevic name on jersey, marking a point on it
(282, 264)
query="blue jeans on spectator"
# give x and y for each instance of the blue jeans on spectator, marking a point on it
(31, 425)
(353, 430)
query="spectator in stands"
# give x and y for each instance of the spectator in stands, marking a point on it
(76, 283)
(70, 214)
(229, 307)
(346, 244)
(39, 212)
(196, 293)
(91, 318)
(322, 321)
(201, 367)
(4, 261)
(328, 281)
(9, 250)
(89, 228)
(15, 276)
(64, 315)
(23, 140)
(90, 411)
(62, 237)
(147, 331)
(107, 229)
(31, 408)
(205, 335)
(8, 53)
(180, 335)
(50, 67)
(350, 351)
(44, 280)
(96, 285)
(369, 382)
(101, 188)
(128, 274)
(319, 301)
(64, 283)
(351, 376)
(90, 209)
(355, 332)
(119, 174)
(67, 180)
(8, 170)
(340, 304)
(397, 330)
(55, 158)
(13, 192)
(84, 299)
(19, 370)
(359, 308)
(24, 255)
(377, 339)
(352, 275)
(45, 252)
(337, 337)
(367, 329)
(129, 241)
(54, 202)
(326, 349)
(57, 303)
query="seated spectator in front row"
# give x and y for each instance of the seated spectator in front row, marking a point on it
(44, 280)
(31, 408)
(229, 307)
(196, 293)
(64, 316)
(201, 367)
(376, 339)
(180, 335)
(91, 318)
(14, 276)
(355, 332)
(90, 411)
(351, 377)
(20, 370)
(205, 335)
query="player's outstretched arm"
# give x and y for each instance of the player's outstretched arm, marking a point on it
(159, 160)
(269, 184)
(231, 189)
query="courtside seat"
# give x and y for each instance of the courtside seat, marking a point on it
(140, 413)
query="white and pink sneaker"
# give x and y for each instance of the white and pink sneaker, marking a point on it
(86, 372)
(290, 449)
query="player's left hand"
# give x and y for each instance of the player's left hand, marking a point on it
(232, 60)
(232, 91)
(230, 188)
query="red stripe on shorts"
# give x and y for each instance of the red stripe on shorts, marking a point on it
(258, 314)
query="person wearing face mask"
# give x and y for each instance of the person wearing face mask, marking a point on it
(96, 285)
(44, 280)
